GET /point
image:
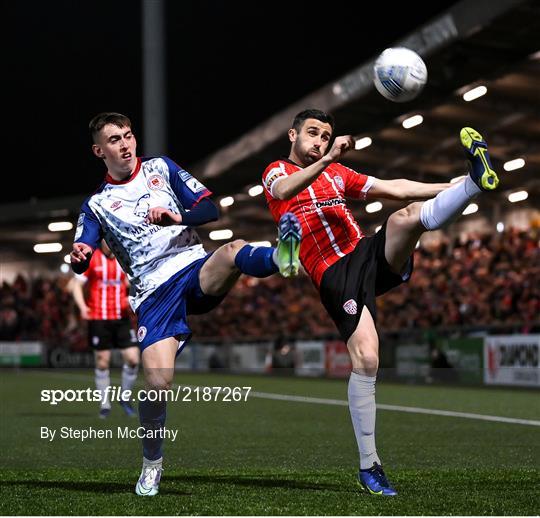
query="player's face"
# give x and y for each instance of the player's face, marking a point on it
(310, 143)
(117, 146)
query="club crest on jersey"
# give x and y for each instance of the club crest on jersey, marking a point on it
(141, 333)
(350, 307)
(155, 182)
(339, 182)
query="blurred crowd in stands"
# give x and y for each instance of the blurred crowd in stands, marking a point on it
(485, 280)
(40, 309)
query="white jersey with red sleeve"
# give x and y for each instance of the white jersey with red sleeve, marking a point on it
(107, 294)
(329, 230)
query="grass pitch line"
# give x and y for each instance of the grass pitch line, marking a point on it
(396, 408)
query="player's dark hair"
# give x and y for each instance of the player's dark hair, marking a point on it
(102, 119)
(312, 114)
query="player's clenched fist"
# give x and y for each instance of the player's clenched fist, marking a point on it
(81, 252)
(164, 217)
(340, 146)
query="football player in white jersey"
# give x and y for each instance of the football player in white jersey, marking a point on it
(146, 209)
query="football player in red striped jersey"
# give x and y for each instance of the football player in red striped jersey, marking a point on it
(105, 307)
(349, 268)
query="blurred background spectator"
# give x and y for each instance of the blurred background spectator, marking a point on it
(480, 281)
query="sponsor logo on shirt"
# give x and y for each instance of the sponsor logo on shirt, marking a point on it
(329, 203)
(184, 175)
(80, 226)
(111, 282)
(142, 206)
(322, 204)
(116, 205)
(350, 307)
(155, 182)
(194, 185)
(339, 183)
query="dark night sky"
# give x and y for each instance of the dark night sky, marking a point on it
(66, 60)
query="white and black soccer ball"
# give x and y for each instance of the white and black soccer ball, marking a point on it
(399, 74)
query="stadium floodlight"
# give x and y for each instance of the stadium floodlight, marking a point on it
(260, 243)
(255, 190)
(218, 235)
(363, 142)
(60, 226)
(512, 165)
(47, 248)
(64, 268)
(376, 206)
(67, 259)
(518, 196)
(227, 201)
(413, 121)
(500, 226)
(475, 93)
(470, 209)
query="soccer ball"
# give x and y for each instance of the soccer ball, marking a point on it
(399, 74)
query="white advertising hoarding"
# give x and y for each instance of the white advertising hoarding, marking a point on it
(310, 358)
(512, 360)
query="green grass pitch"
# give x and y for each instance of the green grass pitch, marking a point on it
(268, 457)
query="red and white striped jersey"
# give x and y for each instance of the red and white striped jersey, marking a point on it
(329, 230)
(107, 288)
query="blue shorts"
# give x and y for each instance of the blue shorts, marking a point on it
(164, 313)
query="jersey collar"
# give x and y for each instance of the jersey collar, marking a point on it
(110, 179)
(289, 161)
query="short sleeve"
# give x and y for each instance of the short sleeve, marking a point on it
(357, 185)
(88, 227)
(188, 189)
(273, 174)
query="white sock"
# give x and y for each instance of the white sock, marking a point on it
(448, 204)
(103, 380)
(129, 375)
(363, 410)
(152, 463)
(274, 257)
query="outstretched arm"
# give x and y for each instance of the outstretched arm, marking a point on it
(405, 190)
(287, 187)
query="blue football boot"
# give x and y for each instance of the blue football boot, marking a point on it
(374, 481)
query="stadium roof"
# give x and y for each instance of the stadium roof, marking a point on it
(494, 44)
